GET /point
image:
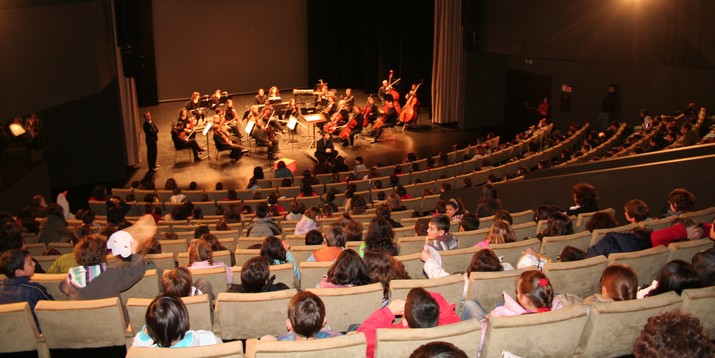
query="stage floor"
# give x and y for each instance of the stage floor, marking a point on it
(426, 139)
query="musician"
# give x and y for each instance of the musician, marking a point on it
(265, 137)
(349, 98)
(216, 99)
(390, 119)
(183, 140)
(194, 106)
(325, 150)
(322, 97)
(356, 124)
(224, 141)
(261, 97)
(268, 116)
(413, 92)
(273, 92)
(184, 119)
(372, 113)
(232, 118)
(383, 90)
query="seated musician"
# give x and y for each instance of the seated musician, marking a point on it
(261, 97)
(389, 119)
(216, 99)
(271, 118)
(232, 118)
(383, 90)
(354, 125)
(194, 106)
(186, 121)
(273, 92)
(325, 150)
(265, 137)
(224, 141)
(322, 97)
(372, 113)
(182, 140)
(349, 98)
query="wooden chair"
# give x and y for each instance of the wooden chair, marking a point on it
(581, 278)
(83, 324)
(534, 335)
(341, 309)
(311, 273)
(685, 250)
(229, 349)
(20, 330)
(646, 263)
(551, 246)
(198, 306)
(248, 315)
(450, 287)
(353, 345)
(512, 252)
(392, 343)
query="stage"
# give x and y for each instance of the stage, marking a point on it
(425, 139)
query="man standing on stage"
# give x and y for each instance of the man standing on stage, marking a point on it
(150, 133)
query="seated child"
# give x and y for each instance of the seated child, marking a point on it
(421, 309)
(201, 257)
(179, 283)
(314, 237)
(438, 235)
(618, 283)
(18, 266)
(306, 319)
(335, 241)
(167, 325)
(256, 277)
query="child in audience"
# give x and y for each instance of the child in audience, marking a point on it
(421, 309)
(421, 226)
(636, 239)
(618, 283)
(167, 325)
(379, 237)
(306, 319)
(277, 252)
(585, 199)
(314, 237)
(256, 277)
(601, 220)
(201, 257)
(438, 350)
(179, 283)
(570, 253)
(469, 222)
(504, 215)
(438, 235)
(663, 336)
(309, 221)
(347, 271)
(676, 275)
(680, 201)
(383, 268)
(18, 267)
(680, 230)
(704, 264)
(636, 211)
(296, 211)
(335, 241)
(455, 209)
(263, 224)
(557, 224)
(500, 233)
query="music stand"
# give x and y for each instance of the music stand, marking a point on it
(208, 145)
(313, 119)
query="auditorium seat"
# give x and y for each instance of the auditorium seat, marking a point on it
(146, 287)
(522, 231)
(215, 276)
(701, 216)
(198, 307)
(36, 249)
(311, 273)
(173, 246)
(251, 315)
(581, 278)
(413, 265)
(658, 224)
(302, 252)
(243, 255)
(700, 302)
(487, 287)
(685, 250)
(598, 234)
(457, 260)
(349, 305)
(551, 246)
(513, 251)
(246, 242)
(46, 260)
(283, 273)
(395, 342)
(450, 287)
(229, 349)
(19, 330)
(162, 261)
(646, 263)
(52, 283)
(411, 244)
(62, 247)
(352, 345)
(471, 238)
(224, 256)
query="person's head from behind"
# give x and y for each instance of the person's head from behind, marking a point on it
(421, 226)
(272, 250)
(501, 232)
(704, 264)
(534, 291)
(348, 269)
(676, 275)
(558, 224)
(570, 253)
(636, 211)
(167, 320)
(383, 268)
(91, 250)
(200, 250)
(335, 236)
(17, 263)
(261, 210)
(504, 215)
(380, 237)
(619, 283)
(664, 336)
(438, 350)
(297, 207)
(314, 237)
(469, 222)
(306, 314)
(438, 226)
(585, 195)
(176, 282)
(313, 213)
(254, 274)
(601, 220)
(201, 231)
(421, 309)
(681, 200)
(484, 261)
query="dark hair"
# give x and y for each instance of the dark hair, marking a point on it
(530, 285)
(469, 222)
(254, 274)
(544, 211)
(335, 236)
(421, 309)
(306, 189)
(438, 350)
(200, 250)
(348, 269)
(214, 242)
(665, 335)
(441, 222)
(297, 207)
(272, 249)
(258, 173)
(502, 214)
(380, 237)
(352, 228)
(261, 210)
(704, 265)
(620, 282)
(167, 320)
(177, 282)
(682, 200)
(570, 253)
(484, 261)
(383, 211)
(13, 260)
(170, 184)
(636, 209)
(314, 237)
(421, 226)
(490, 198)
(585, 195)
(676, 275)
(601, 220)
(201, 230)
(306, 312)
(383, 268)
(91, 250)
(312, 212)
(558, 224)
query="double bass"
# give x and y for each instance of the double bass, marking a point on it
(392, 92)
(408, 113)
(332, 125)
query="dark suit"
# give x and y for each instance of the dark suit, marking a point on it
(222, 144)
(151, 131)
(181, 143)
(321, 152)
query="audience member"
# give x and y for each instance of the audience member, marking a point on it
(347, 271)
(256, 277)
(664, 336)
(438, 235)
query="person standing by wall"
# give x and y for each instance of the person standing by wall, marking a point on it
(608, 108)
(150, 132)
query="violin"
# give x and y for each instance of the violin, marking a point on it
(408, 113)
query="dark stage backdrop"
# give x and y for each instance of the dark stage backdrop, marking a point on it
(235, 46)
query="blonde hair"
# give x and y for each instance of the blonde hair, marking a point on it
(501, 233)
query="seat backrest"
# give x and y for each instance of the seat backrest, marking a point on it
(82, 324)
(551, 246)
(46, 260)
(527, 229)
(251, 315)
(658, 224)
(523, 217)
(243, 255)
(311, 273)
(413, 265)
(612, 327)
(173, 246)
(62, 247)
(36, 249)
(581, 278)
(646, 263)
(699, 303)
(685, 250)
(399, 215)
(487, 287)
(701, 216)
(353, 345)
(393, 342)
(229, 349)
(341, 309)
(429, 203)
(411, 244)
(598, 234)
(17, 318)
(454, 261)
(302, 252)
(218, 256)
(470, 238)
(295, 240)
(583, 218)
(51, 281)
(163, 261)
(535, 334)
(147, 287)
(450, 287)
(216, 277)
(513, 251)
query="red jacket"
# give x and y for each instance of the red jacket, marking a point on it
(675, 233)
(383, 318)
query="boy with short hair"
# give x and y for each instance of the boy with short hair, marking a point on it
(306, 318)
(19, 267)
(636, 211)
(438, 236)
(335, 241)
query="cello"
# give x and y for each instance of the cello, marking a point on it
(345, 133)
(332, 125)
(408, 113)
